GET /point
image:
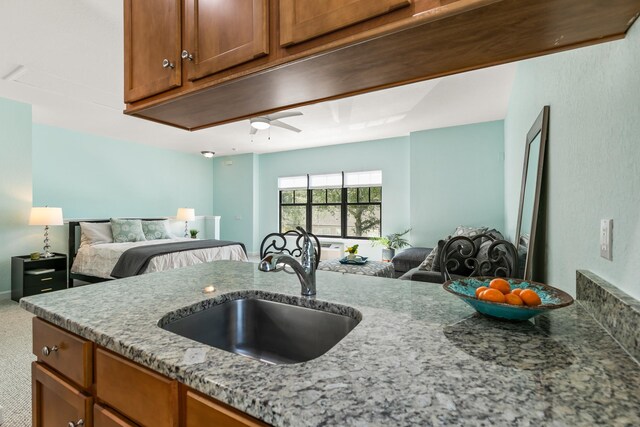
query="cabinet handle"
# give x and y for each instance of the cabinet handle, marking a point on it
(167, 64)
(46, 278)
(48, 350)
(79, 423)
(46, 290)
(186, 55)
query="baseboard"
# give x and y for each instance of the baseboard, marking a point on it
(5, 295)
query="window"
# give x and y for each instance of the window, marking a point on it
(347, 205)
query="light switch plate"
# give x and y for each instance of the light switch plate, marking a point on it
(606, 239)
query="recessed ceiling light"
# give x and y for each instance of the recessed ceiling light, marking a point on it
(207, 154)
(260, 123)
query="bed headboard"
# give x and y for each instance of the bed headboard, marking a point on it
(74, 239)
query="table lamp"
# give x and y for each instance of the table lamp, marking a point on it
(186, 215)
(46, 216)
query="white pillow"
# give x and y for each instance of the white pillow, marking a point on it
(95, 232)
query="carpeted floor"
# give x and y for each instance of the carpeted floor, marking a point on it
(15, 365)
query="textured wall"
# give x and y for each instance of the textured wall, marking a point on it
(593, 157)
(234, 197)
(457, 178)
(91, 176)
(16, 236)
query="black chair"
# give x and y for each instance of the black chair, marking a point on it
(481, 255)
(276, 243)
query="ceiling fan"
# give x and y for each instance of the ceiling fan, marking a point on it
(264, 122)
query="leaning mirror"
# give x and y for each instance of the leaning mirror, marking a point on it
(530, 191)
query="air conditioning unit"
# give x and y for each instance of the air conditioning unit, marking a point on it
(331, 250)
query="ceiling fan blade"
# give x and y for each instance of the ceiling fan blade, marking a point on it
(253, 130)
(284, 125)
(283, 114)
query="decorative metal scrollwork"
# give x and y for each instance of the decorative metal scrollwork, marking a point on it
(277, 243)
(470, 256)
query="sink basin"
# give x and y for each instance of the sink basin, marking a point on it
(269, 331)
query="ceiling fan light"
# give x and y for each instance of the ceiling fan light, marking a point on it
(260, 123)
(207, 154)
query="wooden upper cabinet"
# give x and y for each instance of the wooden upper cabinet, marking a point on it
(223, 34)
(152, 34)
(301, 20)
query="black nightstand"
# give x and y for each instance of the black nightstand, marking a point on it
(31, 277)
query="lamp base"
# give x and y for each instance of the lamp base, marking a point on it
(47, 255)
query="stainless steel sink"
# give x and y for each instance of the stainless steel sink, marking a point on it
(266, 330)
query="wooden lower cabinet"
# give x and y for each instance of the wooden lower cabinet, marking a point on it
(104, 417)
(203, 411)
(120, 393)
(56, 402)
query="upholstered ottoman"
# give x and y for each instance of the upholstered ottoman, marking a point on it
(408, 259)
(371, 268)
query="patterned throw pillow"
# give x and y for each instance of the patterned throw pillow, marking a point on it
(154, 230)
(127, 230)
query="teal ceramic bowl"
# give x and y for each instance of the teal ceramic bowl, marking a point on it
(552, 298)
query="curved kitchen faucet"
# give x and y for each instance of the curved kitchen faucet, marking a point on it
(306, 271)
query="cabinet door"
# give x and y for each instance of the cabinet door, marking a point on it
(223, 34)
(202, 411)
(103, 417)
(302, 20)
(152, 34)
(56, 402)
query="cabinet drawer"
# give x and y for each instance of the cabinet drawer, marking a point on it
(146, 397)
(204, 411)
(67, 353)
(57, 402)
(56, 278)
(103, 417)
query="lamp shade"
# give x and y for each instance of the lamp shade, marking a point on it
(186, 214)
(45, 216)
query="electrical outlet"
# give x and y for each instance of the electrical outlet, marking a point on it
(606, 239)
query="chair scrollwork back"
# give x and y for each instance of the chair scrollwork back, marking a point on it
(278, 243)
(480, 255)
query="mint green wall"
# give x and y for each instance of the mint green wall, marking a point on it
(389, 155)
(91, 176)
(234, 197)
(593, 156)
(15, 188)
(457, 178)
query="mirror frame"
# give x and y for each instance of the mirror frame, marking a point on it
(541, 127)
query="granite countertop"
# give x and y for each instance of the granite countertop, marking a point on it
(420, 356)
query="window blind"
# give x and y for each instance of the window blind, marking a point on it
(293, 182)
(363, 179)
(329, 180)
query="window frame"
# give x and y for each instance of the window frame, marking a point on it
(343, 204)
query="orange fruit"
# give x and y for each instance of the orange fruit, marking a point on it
(493, 295)
(513, 299)
(516, 291)
(530, 297)
(480, 289)
(501, 285)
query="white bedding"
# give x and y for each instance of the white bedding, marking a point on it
(98, 260)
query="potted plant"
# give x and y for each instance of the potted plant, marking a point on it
(194, 233)
(390, 243)
(352, 251)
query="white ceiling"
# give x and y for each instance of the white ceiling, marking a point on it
(71, 53)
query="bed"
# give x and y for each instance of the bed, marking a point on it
(96, 255)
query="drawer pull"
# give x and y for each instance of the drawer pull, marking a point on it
(46, 290)
(46, 278)
(48, 350)
(79, 423)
